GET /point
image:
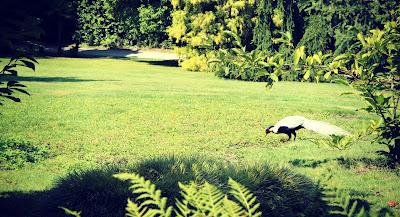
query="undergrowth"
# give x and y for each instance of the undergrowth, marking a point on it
(16, 154)
(205, 199)
(95, 192)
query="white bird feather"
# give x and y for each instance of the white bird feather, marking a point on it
(320, 127)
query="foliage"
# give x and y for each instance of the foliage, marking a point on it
(16, 154)
(205, 199)
(8, 75)
(317, 37)
(116, 23)
(86, 190)
(112, 41)
(318, 25)
(197, 200)
(333, 25)
(374, 73)
(153, 21)
(196, 62)
(200, 25)
(71, 212)
(262, 34)
(342, 204)
(152, 204)
(17, 31)
(239, 64)
(167, 172)
(255, 65)
(97, 23)
(372, 70)
(19, 28)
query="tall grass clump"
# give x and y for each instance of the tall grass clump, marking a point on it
(95, 192)
(279, 191)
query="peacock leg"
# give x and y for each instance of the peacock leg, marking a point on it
(290, 135)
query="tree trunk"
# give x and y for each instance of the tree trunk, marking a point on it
(59, 35)
(396, 151)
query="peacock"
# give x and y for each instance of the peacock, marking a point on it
(289, 125)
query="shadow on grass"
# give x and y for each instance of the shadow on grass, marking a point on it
(347, 163)
(369, 162)
(307, 162)
(109, 53)
(49, 79)
(96, 193)
(171, 63)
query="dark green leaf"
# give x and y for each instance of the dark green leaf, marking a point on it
(15, 99)
(28, 64)
(21, 90)
(6, 91)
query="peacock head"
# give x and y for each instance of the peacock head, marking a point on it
(268, 130)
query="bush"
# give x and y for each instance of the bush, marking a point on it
(112, 41)
(95, 193)
(153, 22)
(195, 63)
(113, 23)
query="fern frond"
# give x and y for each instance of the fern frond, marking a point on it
(231, 208)
(189, 193)
(245, 197)
(148, 193)
(211, 199)
(182, 208)
(361, 213)
(71, 212)
(342, 204)
(134, 210)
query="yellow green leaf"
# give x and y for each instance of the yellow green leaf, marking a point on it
(298, 54)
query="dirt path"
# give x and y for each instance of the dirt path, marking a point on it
(128, 53)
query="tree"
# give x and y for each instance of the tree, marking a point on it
(64, 11)
(375, 74)
(372, 69)
(18, 30)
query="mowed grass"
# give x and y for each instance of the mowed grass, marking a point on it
(97, 112)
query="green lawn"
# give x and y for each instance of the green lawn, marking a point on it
(94, 112)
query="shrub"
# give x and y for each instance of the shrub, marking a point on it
(95, 193)
(114, 23)
(374, 74)
(279, 191)
(208, 200)
(112, 41)
(153, 22)
(195, 63)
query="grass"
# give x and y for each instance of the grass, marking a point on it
(99, 112)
